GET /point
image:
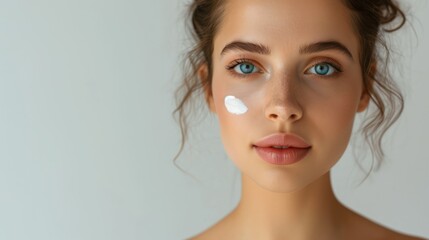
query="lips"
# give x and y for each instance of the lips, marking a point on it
(282, 149)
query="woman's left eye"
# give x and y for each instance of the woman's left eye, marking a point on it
(323, 69)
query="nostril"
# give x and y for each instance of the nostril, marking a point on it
(276, 116)
(273, 116)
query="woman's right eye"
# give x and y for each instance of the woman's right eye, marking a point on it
(245, 68)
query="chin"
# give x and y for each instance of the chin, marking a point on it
(283, 182)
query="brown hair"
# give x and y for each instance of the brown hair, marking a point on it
(368, 17)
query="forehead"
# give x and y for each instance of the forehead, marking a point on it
(286, 23)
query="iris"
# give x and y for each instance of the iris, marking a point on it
(246, 68)
(323, 69)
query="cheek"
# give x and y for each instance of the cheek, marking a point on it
(227, 121)
(332, 106)
(233, 130)
(239, 97)
(236, 130)
(233, 126)
(332, 120)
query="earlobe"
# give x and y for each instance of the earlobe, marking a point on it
(203, 77)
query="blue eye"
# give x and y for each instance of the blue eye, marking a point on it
(323, 69)
(245, 68)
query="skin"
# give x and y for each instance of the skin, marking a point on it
(286, 95)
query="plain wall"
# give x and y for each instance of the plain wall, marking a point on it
(87, 137)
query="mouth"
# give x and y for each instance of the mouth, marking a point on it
(281, 155)
(278, 147)
(281, 148)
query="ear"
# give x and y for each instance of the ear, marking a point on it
(203, 76)
(364, 99)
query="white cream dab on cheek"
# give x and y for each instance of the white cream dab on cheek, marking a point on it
(235, 105)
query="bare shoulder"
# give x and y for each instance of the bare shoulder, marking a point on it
(213, 233)
(223, 229)
(203, 236)
(381, 234)
(364, 228)
(358, 227)
(401, 236)
(208, 234)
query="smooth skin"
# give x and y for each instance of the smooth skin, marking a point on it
(286, 92)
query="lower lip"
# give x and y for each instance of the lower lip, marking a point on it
(281, 156)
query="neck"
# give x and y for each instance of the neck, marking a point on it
(309, 213)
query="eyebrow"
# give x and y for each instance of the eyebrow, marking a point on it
(328, 45)
(306, 49)
(246, 46)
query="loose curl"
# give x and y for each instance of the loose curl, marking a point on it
(371, 19)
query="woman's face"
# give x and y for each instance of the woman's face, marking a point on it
(306, 81)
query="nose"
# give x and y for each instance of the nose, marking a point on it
(281, 102)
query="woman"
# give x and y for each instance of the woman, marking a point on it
(286, 79)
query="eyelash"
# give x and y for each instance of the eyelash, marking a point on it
(236, 62)
(239, 61)
(337, 68)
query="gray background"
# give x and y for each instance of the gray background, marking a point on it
(87, 138)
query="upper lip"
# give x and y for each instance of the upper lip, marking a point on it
(282, 139)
